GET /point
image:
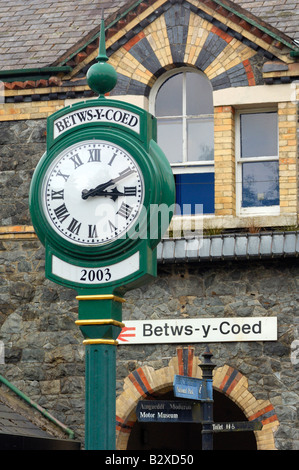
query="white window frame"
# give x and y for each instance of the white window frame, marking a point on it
(186, 166)
(251, 211)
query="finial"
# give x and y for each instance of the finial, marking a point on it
(101, 76)
(207, 355)
(102, 47)
(207, 365)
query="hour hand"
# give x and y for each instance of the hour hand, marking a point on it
(96, 191)
(99, 192)
(113, 194)
(86, 193)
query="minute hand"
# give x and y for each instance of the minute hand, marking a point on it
(101, 187)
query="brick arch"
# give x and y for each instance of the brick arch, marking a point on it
(181, 37)
(146, 381)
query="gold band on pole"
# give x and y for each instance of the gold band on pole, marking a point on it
(101, 341)
(99, 322)
(100, 297)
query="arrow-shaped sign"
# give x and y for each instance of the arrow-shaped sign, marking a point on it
(123, 335)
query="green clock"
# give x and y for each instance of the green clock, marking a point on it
(92, 193)
(98, 196)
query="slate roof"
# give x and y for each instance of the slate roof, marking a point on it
(36, 34)
(12, 423)
(282, 14)
(263, 245)
(24, 428)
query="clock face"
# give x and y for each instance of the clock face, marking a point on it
(92, 193)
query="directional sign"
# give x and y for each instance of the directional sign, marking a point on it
(192, 388)
(199, 330)
(168, 411)
(238, 426)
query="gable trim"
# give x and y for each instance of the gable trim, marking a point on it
(140, 14)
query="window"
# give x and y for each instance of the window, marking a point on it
(257, 162)
(182, 102)
(184, 112)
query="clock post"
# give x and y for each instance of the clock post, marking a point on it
(100, 367)
(101, 198)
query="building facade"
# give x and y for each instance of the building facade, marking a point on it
(221, 78)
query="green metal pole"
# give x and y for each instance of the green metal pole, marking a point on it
(100, 397)
(99, 322)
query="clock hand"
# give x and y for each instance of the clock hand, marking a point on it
(94, 192)
(113, 194)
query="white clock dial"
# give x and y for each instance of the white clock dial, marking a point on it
(93, 193)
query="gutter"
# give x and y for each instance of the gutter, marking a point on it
(33, 74)
(34, 405)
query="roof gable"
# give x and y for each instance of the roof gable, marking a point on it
(209, 35)
(145, 38)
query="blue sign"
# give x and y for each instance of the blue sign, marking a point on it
(193, 388)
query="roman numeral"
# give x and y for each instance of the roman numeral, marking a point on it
(74, 227)
(125, 210)
(94, 155)
(61, 213)
(130, 190)
(57, 194)
(65, 177)
(92, 231)
(113, 157)
(77, 161)
(112, 228)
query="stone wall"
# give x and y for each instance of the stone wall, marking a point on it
(44, 354)
(22, 143)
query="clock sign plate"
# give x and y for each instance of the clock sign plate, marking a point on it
(102, 275)
(96, 114)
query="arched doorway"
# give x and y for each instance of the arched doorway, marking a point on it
(233, 402)
(187, 436)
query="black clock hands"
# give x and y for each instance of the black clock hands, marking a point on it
(96, 192)
(100, 189)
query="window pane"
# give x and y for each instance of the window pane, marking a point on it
(169, 99)
(259, 135)
(200, 134)
(195, 193)
(199, 97)
(170, 139)
(260, 184)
